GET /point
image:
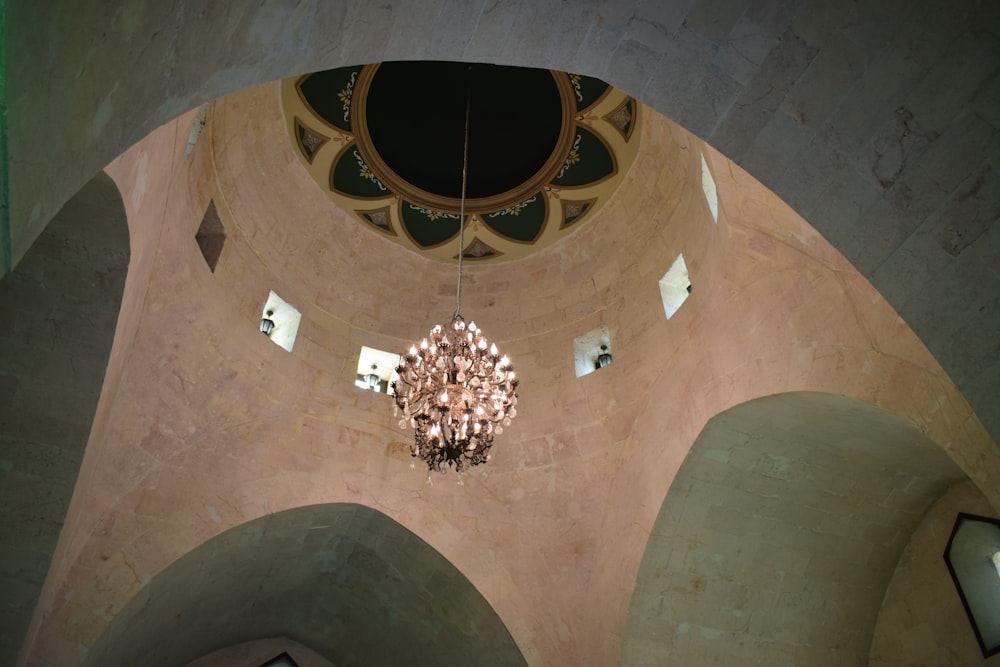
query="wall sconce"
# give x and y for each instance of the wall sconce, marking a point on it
(592, 350)
(973, 559)
(604, 358)
(267, 324)
(374, 381)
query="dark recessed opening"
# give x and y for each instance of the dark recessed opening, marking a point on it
(282, 660)
(211, 236)
(415, 114)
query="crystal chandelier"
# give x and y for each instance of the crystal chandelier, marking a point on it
(455, 389)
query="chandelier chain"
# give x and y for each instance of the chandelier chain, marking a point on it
(461, 215)
(454, 388)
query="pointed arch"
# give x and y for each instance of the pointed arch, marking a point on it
(60, 307)
(781, 532)
(342, 579)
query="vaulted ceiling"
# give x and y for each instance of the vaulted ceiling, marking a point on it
(873, 124)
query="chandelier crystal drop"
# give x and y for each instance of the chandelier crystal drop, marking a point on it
(455, 389)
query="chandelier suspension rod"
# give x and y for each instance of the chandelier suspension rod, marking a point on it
(461, 215)
(455, 389)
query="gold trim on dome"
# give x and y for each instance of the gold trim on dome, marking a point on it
(400, 203)
(607, 147)
(600, 100)
(311, 132)
(587, 205)
(410, 192)
(476, 245)
(384, 212)
(365, 171)
(610, 118)
(596, 120)
(305, 103)
(511, 210)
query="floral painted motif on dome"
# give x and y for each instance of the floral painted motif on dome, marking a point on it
(394, 150)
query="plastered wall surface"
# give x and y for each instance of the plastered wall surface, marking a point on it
(208, 425)
(876, 122)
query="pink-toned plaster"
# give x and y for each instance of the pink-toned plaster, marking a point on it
(207, 424)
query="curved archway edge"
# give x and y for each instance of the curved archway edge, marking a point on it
(780, 533)
(345, 580)
(60, 308)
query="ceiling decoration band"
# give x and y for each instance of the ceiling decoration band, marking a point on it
(561, 144)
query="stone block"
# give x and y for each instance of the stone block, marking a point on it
(632, 66)
(574, 21)
(364, 38)
(946, 159)
(688, 88)
(595, 42)
(412, 34)
(963, 71)
(821, 25)
(714, 19)
(762, 96)
(845, 205)
(776, 145)
(454, 17)
(754, 35)
(986, 102)
(659, 18)
(800, 186)
(531, 35)
(493, 31)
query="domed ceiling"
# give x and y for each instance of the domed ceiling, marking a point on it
(385, 141)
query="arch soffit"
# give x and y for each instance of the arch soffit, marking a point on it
(67, 292)
(331, 576)
(797, 496)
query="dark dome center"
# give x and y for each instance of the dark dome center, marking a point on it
(415, 112)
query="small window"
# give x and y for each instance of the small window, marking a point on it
(708, 186)
(279, 321)
(675, 286)
(211, 236)
(376, 370)
(592, 350)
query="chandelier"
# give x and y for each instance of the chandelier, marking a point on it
(455, 389)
